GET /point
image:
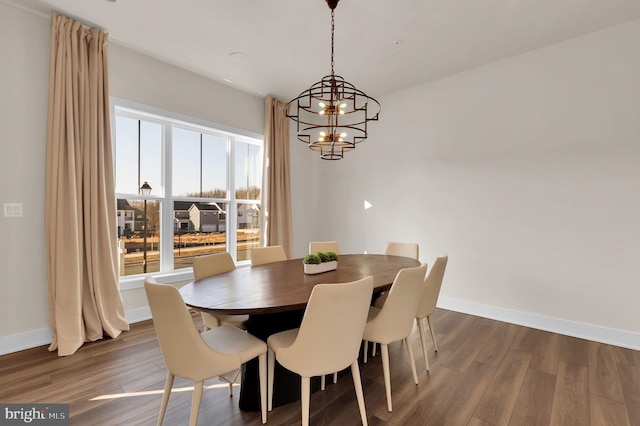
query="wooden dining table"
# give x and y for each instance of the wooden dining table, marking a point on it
(274, 295)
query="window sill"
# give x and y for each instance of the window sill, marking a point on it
(137, 281)
(131, 283)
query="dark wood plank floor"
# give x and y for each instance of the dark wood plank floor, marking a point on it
(485, 373)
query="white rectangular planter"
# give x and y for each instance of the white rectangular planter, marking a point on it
(318, 269)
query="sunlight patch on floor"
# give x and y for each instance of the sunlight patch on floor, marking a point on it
(156, 392)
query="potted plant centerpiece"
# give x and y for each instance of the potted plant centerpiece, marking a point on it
(320, 262)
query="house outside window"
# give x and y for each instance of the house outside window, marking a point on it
(205, 190)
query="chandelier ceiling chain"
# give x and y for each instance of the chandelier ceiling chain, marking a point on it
(332, 115)
(332, 36)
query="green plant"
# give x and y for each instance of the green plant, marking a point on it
(323, 256)
(320, 257)
(312, 259)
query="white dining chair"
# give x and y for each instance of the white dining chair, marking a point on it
(411, 250)
(209, 265)
(428, 301)
(324, 246)
(198, 357)
(316, 246)
(394, 321)
(328, 339)
(270, 254)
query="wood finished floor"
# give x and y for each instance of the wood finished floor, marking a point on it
(485, 373)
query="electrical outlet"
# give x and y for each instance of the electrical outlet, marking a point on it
(12, 209)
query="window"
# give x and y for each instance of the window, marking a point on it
(203, 188)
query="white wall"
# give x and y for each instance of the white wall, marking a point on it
(526, 172)
(139, 78)
(24, 48)
(24, 71)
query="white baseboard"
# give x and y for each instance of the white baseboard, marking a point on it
(139, 314)
(27, 340)
(41, 337)
(611, 336)
(625, 339)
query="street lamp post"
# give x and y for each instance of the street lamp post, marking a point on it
(145, 189)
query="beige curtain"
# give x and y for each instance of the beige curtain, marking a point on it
(80, 226)
(276, 191)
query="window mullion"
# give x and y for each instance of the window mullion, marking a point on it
(232, 215)
(166, 216)
(139, 152)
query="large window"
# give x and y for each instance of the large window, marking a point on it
(184, 188)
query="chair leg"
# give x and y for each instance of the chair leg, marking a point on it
(433, 333)
(384, 352)
(411, 360)
(195, 403)
(305, 394)
(165, 397)
(373, 349)
(205, 327)
(271, 361)
(323, 380)
(262, 367)
(230, 389)
(423, 340)
(357, 383)
(209, 321)
(366, 350)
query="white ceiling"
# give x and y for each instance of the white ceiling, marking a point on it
(382, 46)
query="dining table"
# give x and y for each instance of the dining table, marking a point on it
(274, 295)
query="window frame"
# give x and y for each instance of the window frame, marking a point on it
(167, 119)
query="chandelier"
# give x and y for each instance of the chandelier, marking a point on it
(332, 115)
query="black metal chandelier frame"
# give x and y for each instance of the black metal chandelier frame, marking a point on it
(332, 115)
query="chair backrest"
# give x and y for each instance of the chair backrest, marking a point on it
(316, 246)
(431, 287)
(212, 264)
(331, 330)
(395, 320)
(411, 250)
(184, 351)
(262, 255)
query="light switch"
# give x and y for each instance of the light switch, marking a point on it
(12, 209)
